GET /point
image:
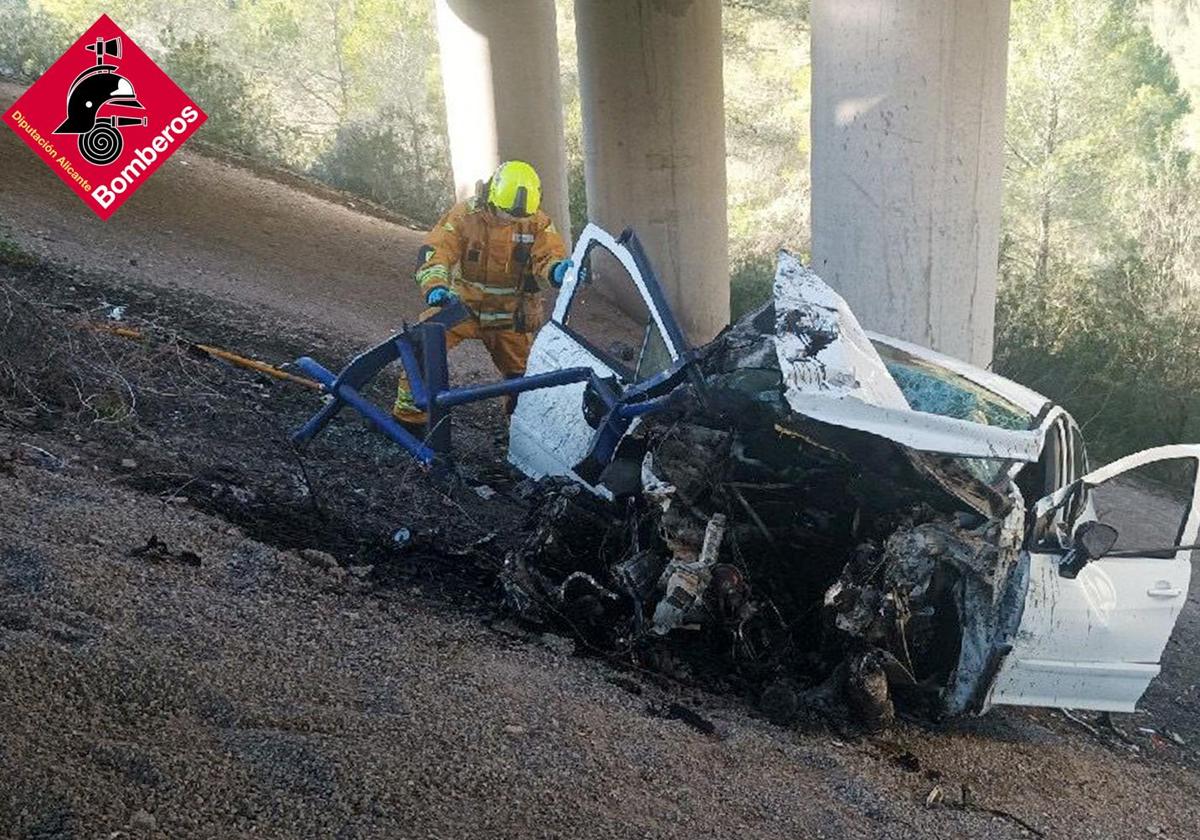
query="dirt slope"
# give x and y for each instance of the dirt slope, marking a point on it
(208, 226)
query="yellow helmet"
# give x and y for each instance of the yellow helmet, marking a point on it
(515, 188)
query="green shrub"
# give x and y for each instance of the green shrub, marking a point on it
(576, 194)
(238, 118)
(395, 158)
(30, 40)
(12, 254)
(1116, 347)
(750, 283)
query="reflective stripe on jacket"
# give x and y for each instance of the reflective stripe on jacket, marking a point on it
(497, 267)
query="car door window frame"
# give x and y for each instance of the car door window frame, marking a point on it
(1082, 511)
(628, 251)
(1077, 452)
(627, 372)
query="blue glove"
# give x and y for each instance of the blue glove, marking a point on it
(559, 272)
(439, 296)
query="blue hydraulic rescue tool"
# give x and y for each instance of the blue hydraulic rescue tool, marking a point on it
(421, 348)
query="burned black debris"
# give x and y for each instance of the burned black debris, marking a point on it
(798, 560)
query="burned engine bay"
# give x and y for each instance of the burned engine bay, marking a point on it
(752, 547)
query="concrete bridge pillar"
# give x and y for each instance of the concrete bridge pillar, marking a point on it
(503, 101)
(907, 156)
(650, 74)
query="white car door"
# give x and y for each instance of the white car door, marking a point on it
(610, 317)
(1095, 641)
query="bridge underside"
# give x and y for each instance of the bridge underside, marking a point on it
(907, 130)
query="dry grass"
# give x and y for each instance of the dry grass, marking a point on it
(57, 366)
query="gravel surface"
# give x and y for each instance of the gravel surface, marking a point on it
(267, 692)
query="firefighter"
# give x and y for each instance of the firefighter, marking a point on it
(496, 252)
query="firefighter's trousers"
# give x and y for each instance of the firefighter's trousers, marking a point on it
(509, 350)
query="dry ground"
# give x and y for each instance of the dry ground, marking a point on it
(264, 692)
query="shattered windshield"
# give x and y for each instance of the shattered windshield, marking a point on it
(935, 390)
(991, 471)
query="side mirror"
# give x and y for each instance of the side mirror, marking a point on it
(1095, 539)
(1092, 540)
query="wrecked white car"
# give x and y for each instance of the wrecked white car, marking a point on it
(808, 507)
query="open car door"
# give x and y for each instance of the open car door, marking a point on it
(1095, 641)
(610, 316)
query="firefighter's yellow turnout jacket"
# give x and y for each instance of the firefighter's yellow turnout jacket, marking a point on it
(497, 267)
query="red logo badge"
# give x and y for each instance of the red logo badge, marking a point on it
(104, 117)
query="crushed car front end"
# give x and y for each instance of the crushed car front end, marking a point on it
(795, 527)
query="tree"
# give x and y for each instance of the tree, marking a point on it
(1093, 104)
(1100, 227)
(30, 40)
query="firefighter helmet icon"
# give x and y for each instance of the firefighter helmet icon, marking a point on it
(100, 140)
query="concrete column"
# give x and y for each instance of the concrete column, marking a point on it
(907, 157)
(503, 101)
(654, 138)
